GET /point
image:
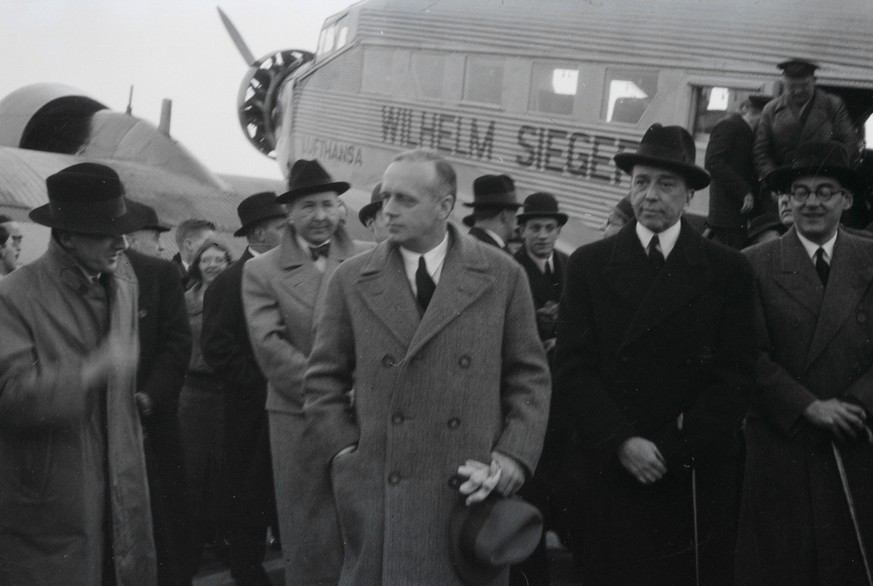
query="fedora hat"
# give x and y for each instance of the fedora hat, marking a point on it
(87, 198)
(541, 205)
(669, 147)
(308, 177)
(368, 211)
(148, 214)
(257, 208)
(488, 537)
(816, 158)
(492, 192)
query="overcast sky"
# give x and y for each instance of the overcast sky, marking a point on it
(175, 49)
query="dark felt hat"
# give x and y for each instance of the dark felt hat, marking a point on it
(308, 177)
(816, 158)
(370, 210)
(257, 208)
(87, 198)
(494, 192)
(489, 537)
(670, 147)
(149, 216)
(758, 101)
(541, 205)
(797, 68)
(763, 223)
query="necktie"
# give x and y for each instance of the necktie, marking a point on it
(320, 250)
(548, 272)
(424, 284)
(655, 254)
(821, 266)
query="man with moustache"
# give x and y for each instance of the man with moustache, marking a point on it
(653, 367)
(224, 341)
(74, 501)
(435, 332)
(282, 291)
(812, 410)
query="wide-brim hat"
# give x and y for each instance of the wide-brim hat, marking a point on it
(494, 192)
(541, 205)
(149, 215)
(829, 159)
(255, 209)
(489, 537)
(368, 211)
(670, 147)
(760, 224)
(87, 198)
(308, 177)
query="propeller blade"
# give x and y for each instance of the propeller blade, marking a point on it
(237, 39)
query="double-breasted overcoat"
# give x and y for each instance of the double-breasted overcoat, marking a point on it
(466, 378)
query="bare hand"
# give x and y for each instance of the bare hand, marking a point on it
(145, 404)
(481, 480)
(642, 459)
(748, 204)
(843, 420)
(511, 476)
(119, 352)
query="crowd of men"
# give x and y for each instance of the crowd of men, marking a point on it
(419, 411)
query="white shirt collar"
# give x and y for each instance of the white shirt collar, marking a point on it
(667, 239)
(811, 247)
(434, 259)
(541, 262)
(495, 236)
(254, 252)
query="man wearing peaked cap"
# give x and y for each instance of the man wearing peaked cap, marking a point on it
(653, 365)
(494, 208)
(224, 341)
(803, 113)
(811, 412)
(72, 468)
(282, 290)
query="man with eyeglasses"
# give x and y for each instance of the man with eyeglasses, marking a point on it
(804, 519)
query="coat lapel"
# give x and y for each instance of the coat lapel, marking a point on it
(299, 277)
(628, 273)
(387, 294)
(797, 276)
(685, 275)
(850, 277)
(464, 279)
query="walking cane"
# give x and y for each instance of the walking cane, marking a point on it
(852, 513)
(696, 540)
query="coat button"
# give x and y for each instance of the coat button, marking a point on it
(388, 361)
(394, 478)
(862, 317)
(397, 418)
(464, 361)
(455, 481)
(454, 422)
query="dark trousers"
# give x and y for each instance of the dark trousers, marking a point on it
(246, 549)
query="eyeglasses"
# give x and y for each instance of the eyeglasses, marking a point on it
(823, 193)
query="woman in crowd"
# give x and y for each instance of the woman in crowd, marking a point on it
(201, 412)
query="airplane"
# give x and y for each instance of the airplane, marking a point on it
(547, 91)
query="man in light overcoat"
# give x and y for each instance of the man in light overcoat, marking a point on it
(282, 290)
(435, 332)
(814, 398)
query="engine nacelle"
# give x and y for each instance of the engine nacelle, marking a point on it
(258, 104)
(47, 117)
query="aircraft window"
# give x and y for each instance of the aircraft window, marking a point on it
(343, 37)
(325, 43)
(428, 70)
(378, 76)
(483, 80)
(713, 104)
(554, 89)
(629, 93)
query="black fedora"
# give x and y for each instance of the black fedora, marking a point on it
(670, 147)
(257, 208)
(87, 198)
(489, 537)
(541, 205)
(308, 177)
(149, 216)
(492, 192)
(367, 212)
(816, 158)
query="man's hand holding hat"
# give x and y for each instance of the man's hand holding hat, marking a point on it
(503, 474)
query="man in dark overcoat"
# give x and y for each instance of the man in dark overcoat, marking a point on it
(803, 113)
(812, 408)
(734, 187)
(435, 333)
(653, 366)
(495, 206)
(224, 340)
(164, 352)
